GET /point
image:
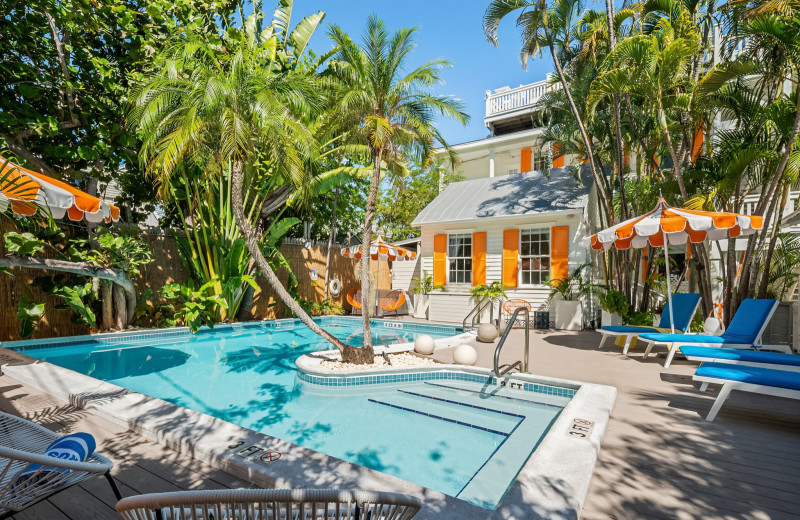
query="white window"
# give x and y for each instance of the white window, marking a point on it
(534, 253)
(539, 158)
(459, 258)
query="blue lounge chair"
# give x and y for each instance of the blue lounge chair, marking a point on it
(745, 331)
(684, 306)
(735, 356)
(758, 380)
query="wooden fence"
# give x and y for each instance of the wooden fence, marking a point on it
(167, 267)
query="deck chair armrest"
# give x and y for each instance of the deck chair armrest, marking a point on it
(96, 463)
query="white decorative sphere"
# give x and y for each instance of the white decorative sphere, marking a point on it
(503, 326)
(465, 355)
(487, 332)
(712, 326)
(424, 344)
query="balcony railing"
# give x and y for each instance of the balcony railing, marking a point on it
(503, 101)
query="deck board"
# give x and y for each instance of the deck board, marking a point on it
(659, 460)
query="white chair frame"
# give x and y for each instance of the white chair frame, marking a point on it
(22, 444)
(729, 386)
(263, 504)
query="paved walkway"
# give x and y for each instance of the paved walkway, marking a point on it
(659, 460)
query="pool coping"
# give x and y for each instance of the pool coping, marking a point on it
(552, 484)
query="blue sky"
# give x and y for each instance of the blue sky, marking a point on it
(447, 28)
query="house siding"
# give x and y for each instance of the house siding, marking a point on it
(452, 304)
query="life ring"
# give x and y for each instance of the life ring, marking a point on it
(335, 287)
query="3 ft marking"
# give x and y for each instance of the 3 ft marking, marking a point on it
(580, 428)
(254, 451)
(390, 325)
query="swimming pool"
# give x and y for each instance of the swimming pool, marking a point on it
(442, 429)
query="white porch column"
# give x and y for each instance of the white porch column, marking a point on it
(491, 163)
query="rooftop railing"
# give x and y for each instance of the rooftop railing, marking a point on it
(506, 100)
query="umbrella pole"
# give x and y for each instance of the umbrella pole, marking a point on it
(669, 286)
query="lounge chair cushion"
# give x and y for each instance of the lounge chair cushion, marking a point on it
(747, 356)
(683, 307)
(750, 318)
(687, 338)
(752, 375)
(630, 329)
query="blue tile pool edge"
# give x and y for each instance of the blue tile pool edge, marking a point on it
(115, 338)
(428, 374)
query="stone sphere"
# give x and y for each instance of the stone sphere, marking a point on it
(465, 355)
(487, 333)
(423, 344)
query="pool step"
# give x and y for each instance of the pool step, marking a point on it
(498, 394)
(466, 414)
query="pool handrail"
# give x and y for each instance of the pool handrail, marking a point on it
(502, 342)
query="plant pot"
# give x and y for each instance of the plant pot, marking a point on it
(422, 306)
(569, 314)
(610, 319)
(656, 319)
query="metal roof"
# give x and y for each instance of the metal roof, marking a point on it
(507, 196)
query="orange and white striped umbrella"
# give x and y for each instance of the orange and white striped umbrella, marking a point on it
(676, 224)
(26, 192)
(380, 250)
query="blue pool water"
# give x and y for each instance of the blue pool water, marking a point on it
(449, 432)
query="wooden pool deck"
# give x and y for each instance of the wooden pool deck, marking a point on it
(660, 459)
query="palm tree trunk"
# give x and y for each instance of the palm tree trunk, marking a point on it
(367, 302)
(331, 238)
(252, 245)
(773, 239)
(587, 143)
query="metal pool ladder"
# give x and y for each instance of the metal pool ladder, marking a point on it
(478, 309)
(523, 365)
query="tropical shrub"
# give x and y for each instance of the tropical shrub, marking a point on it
(574, 286)
(192, 307)
(492, 290)
(614, 301)
(423, 284)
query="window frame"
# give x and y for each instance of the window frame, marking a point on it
(449, 257)
(521, 257)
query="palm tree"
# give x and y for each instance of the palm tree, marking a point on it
(386, 111)
(233, 105)
(548, 26)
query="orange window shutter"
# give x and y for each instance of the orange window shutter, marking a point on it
(479, 258)
(558, 162)
(440, 260)
(510, 257)
(559, 252)
(698, 142)
(525, 160)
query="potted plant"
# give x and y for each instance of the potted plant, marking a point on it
(614, 305)
(565, 296)
(422, 290)
(492, 290)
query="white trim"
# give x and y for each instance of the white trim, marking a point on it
(563, 212)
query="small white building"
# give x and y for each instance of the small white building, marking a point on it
(522, 230)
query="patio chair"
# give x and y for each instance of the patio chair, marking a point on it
(262, 504)
(744, 332)
(28, 476)
(735, 356)
(393, 301)
(684, 305)
(354, 298)
(758, 380)
(509, 306)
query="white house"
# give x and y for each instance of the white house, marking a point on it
(509, 221)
